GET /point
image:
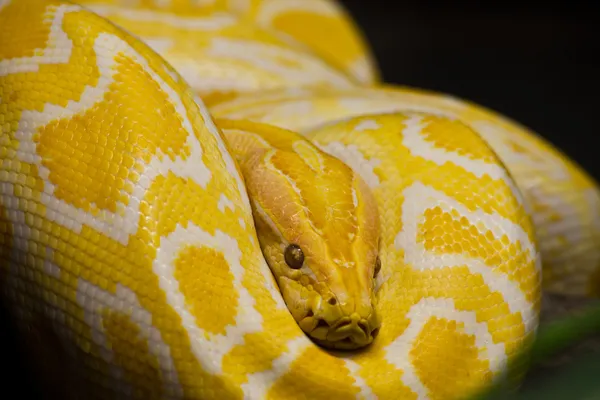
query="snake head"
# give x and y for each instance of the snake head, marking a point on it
(318, 226)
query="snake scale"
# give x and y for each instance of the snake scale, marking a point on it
(220, 200)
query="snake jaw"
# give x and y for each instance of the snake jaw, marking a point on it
(348, 333)
(332, 326)
(350, 324)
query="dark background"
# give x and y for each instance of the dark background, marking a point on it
(537, 64)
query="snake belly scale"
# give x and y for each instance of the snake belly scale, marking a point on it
(205, 200)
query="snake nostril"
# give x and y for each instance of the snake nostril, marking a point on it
(322, 324)
(375, 333)
(332, 301)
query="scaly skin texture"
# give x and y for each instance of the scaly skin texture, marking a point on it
(317, 34)
(130, 259)
(561, 198)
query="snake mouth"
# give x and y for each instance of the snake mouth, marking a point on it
(347, 333)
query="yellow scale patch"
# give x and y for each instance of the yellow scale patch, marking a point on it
(212, 294)
(102, 151)
(441, 343)
(260, 350)
(462, 141)
(449, 233)
(315, 375)
(11, 27)
(342, 45)
(346, 52)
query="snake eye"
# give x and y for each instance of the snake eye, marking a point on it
(294, 256)
(377, 267)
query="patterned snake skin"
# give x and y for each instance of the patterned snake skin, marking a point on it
(141, 142)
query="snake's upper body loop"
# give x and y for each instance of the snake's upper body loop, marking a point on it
(215, 200)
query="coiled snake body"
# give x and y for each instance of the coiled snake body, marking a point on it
(210, 222)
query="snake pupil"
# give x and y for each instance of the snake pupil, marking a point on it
(377, 267)
(294, 256)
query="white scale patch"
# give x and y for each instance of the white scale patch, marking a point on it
(239, 6)
(159, 45)
(299, 68)
(282, 102)
(206, 74)
(419, 198)
(224, 203)
(367, 125)
(360, 68)
(498, 137)
(282, 114)
(230, 164)
(271, 9)
(49, 266)
(541, 165)
(365, 390)
(200, 24)
(204, 3)
(4, 3)
(354, 198)
(21, 231)
(362, 105)
(344, 264)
